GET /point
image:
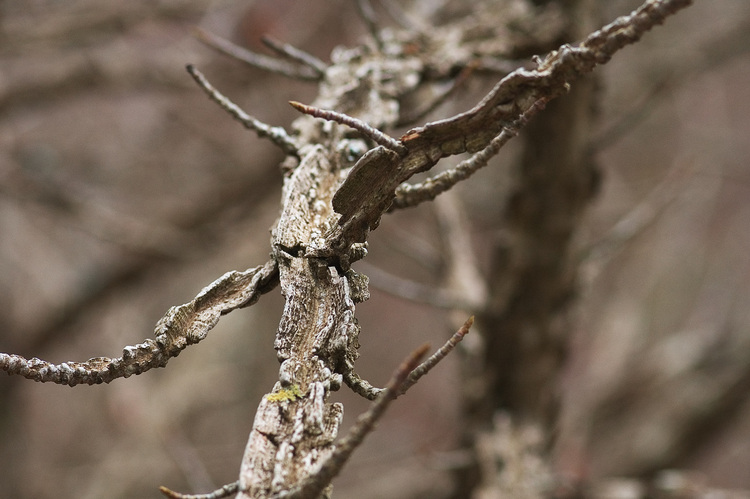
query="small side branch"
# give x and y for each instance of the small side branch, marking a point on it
(366, 12)
(472, 130)
(276, 134)
(181, 326)
(365, 389)
(414, 291)
(428, 364)
(368, 131)
(272, 64)
(296, 54)
(311, 487)
(225, 491)
(409, 118)
(408, 195)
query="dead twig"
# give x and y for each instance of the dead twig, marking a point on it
(295, 54)
(365, 129)
(260, 61)
(365, 389)
(225, 491)
(276, 134)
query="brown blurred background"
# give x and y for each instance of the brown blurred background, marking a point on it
(124, 191)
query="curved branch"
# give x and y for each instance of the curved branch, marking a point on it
(181, 326)
(366, 390)
(272, 64)
(276, 134)
(472, 130)
(224, 491)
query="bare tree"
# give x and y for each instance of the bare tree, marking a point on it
(342, 172)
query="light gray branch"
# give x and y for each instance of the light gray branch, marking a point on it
(365, 389)
(329, 205)
(272, 64)
(181, 326)
(296, 54)
(224, 491)
(276, 134)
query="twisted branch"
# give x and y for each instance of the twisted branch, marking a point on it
(181, 326)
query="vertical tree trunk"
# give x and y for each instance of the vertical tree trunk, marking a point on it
(527, 326)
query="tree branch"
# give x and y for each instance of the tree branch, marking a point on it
(260, 61)
(276, 134)
(181, 326)
(365, 389)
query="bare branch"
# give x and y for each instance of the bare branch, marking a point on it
(295, 54)
(361, 386)
(411, 195)
(181, 326)
(368, 131)
(225, 491)
(523, 90)
(412, 290)
(447, 348)
(291, 451)
(315, 483)
(407, 119)
(364, 8)
(272, 64)
(276, 134)
(516, 93)
(368, 391)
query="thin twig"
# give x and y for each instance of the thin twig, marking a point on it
(403, 17)
(225, 491)
(295, 54)
(428, 364)
(272, 64)
(409, 118)
(361, 386)
(408, 195)
(314, 484)
(412, 290)
(276, 134)
(368, 131)
(595, 256)
(549, 80)
(366, 12)
(368, 391)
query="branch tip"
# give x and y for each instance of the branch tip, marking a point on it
(272, 64)
(225, 491)
(169, 493)
(295, 54)
(365, 129)
(275, 134)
